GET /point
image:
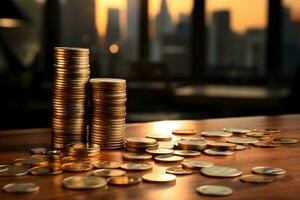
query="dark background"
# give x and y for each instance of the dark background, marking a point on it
(198, 67)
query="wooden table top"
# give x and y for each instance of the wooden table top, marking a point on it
(16, 144)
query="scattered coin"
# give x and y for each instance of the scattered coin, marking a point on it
(196, 164)
(136, 166)
(187, 153)
(45, 171)
(214, 190)
(269, 170)
(184, 132)
(221, 145)
(77, 166)
(31, 162)
(3, 168)
(168, 158)
(161, 178)
(179, 171)
(107, 164)
(283, 140)
(216, 134)
(260, 135)
(266, 144)
(221, 171)
(197, 145)
(21, 187)
(13, 170)
(137, 156)
(159, 151)
(242, 140)
(215, 152)
(108, 172)
(160, 137)
(124, 180)
(140, 141)
(84, 182)
(269, 130)
(252, 178)
(237, 130)
(240, 147)
(165, 145)
(38, 150)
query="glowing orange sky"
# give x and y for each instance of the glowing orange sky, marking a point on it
(244, 14)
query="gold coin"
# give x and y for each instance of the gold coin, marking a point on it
(259, 134)
(136, 166)
(124, 180)
(240, 147)
(160, 137)
(284, 140)
(107, 164)
(216, 134)
(31, 162)
(108, 172)
(221, 145)
(237, 130)
(186, 153)
(137, 156)
(45, 171)
(242, 140)
(184, 132)
(160, 178)
(13, 170)
(196, 164)
(214, 190)
(140, 141)
(165, 145)
(3, 168)
(266, 144)
(179, 171)
(20, 187)
(38, 150)
(77, 166)
(269, 130)
(221, 171)
(215, 152)
(159, 151)
(192, 145)
(252, 178)
(84, 182)
(268, 170)
(168, 158)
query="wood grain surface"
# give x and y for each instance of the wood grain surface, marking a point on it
(16, 144)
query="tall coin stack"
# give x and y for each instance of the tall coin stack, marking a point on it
(71, 75)
(107, 127)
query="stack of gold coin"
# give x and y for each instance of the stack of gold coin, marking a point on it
(71, 75)
(108, 126)
(140, 144)
(76, 152)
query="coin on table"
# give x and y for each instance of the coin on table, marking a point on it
(32, 161)
(240, 147)
(216, 134)
(284, 140)
(21, 187)
(38, 150)
(269, 130)
(268, 170)
(221, 171)
(77, 166)
(108, 172)
(160, 137)
(184, 132)
(221, 145)
(165, 145)
(186, 153)
(260, 135)
(136, 166)
(242, 140)
(107, 164)
(215, 152)
(13, 170)
(160, 178)
(159, 151)
(140, 141)
(45, 171)
(266, 144)
(84, 182)
(168, 158)
(3, 168)
(237, 130)
(192, 144)
(179, 171)
(124, 180)
(214, 190)
(252, 178)
(196, 164)
(137, 156)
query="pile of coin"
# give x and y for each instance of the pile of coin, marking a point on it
(71, 75)
(140, 144)
(107, 127)
(82, 152)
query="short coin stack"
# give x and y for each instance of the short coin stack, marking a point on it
(71, 75)
(107, 127)
(75, 152)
